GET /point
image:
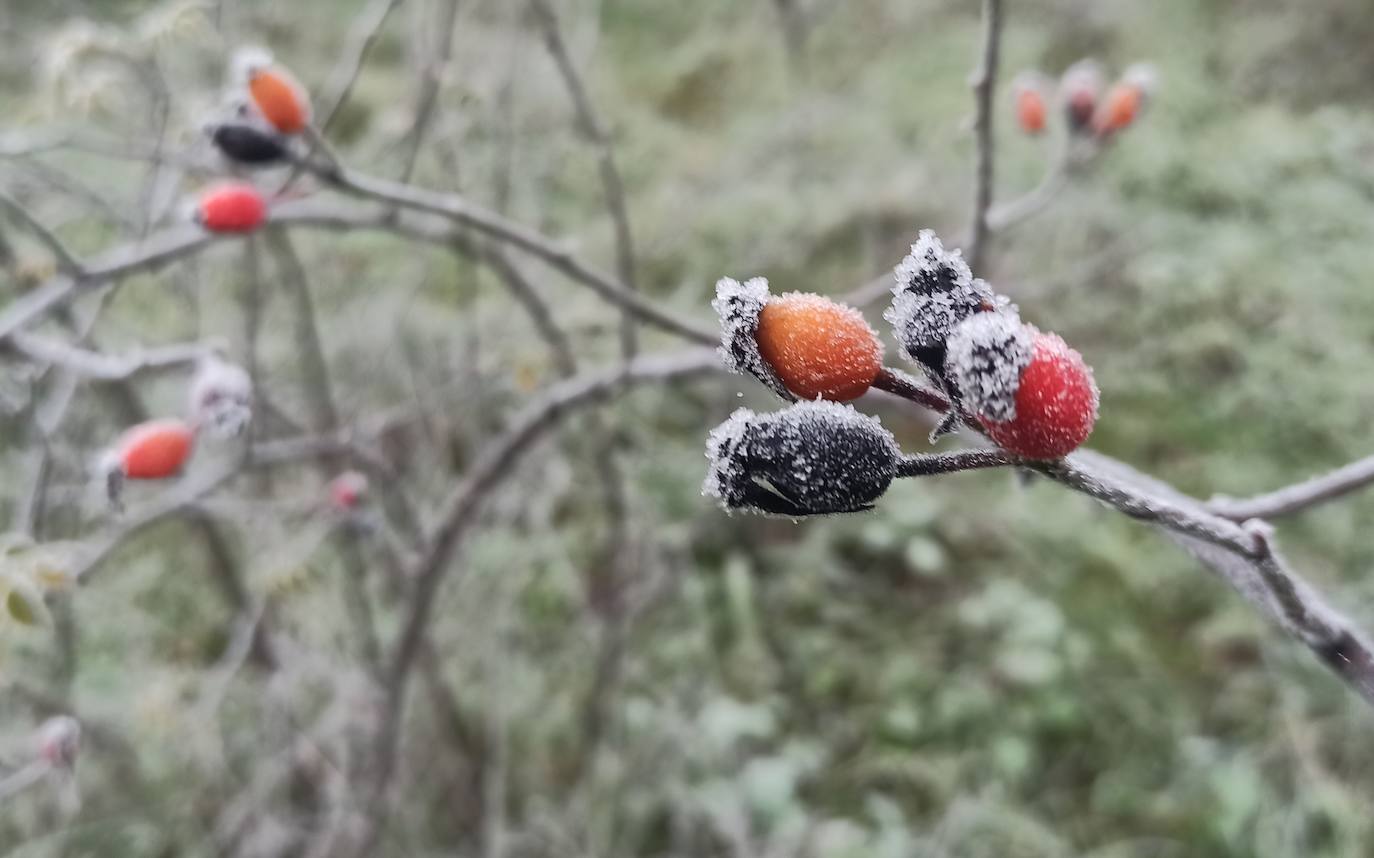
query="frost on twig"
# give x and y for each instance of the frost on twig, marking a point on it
(811, 458)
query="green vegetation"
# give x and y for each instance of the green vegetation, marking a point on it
(977, 668)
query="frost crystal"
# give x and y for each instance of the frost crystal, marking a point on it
(221, 398)
(934, 292)
(811, 458)
(739, 305)
(987, 354)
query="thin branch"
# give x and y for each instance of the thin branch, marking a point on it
(984, 89)
(366, 29)
(1299, 496)
(67, 262)
(612, 185)
(103, 367)
(1004, 216)
(930, 464)
(178, 242)
(429, 89)
(1245, 556)
(494, 464)
(898, 383)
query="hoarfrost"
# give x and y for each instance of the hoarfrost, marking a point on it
(739, 306)
(987, 354)
(811, 458)
(935, 290)
(221, 398)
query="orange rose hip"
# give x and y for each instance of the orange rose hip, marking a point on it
(818, 348)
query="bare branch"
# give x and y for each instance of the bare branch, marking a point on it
(1299, 496)
(494, 464)
(429, 89)
(367, 27)
(164, 247)
(613, 187)
(984, 89)
(102, 367)
(1004, 216)
(66, 260)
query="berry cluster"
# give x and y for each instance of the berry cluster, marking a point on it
(1088, 107)
(1027, 391)
(266, 110)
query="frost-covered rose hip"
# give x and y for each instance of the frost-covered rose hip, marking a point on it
(153, 450)
(274, 91)
(1079, 89)
(231, 207)
(934, 292)
(1031, 393)
(347, 490)
(1028, 98)
(811, 458)
(1125, 101)
(247, 144)
(803, 346)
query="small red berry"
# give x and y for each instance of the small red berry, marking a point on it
(346, 490)
(59, 741)
(1032, 393)
(231, 207)
(1028, 95)
(154, 450)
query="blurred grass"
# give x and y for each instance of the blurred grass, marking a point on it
(977, 668)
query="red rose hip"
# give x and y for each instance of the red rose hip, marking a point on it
(231, 207)
(1032, 394)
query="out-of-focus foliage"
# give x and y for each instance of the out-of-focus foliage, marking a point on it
(977, 668)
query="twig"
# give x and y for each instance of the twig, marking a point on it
(898, 383)
(67, 262)
(1299, 496)
(984, 89)
(429, 89)
(175, 243)
(102, 367)
(1004, 216)
(367, 27)
(495, 463)
(930, 464)
(320, 386)
(612, 185)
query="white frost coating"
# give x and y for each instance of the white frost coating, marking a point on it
(987, 354)
(814, 457)
(722, 472)
(934, 291)
(221, 398)
(247, 61)
(739, 306)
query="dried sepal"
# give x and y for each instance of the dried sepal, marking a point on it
(812, 458)
(934, 292)
(987, 354)
(221, 398)
(739, 306)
